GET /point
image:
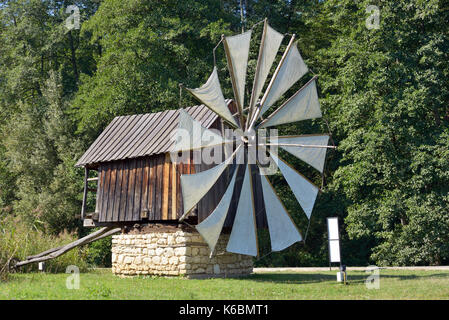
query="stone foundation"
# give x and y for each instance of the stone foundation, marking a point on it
(173, 254)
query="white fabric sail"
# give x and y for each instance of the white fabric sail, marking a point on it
(312, 156)
(195, 186)
(305, 191)
(283, 231)
(290, 69)
(211, 95)
(190, 135)
(211, 227)
(269, 46)
(303, 105)
(243, 238)
(237, 50)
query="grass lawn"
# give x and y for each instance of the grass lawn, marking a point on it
(101, 284)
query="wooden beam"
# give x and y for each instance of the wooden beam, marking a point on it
(174, 192)
(88, 223)
(56, 252)
(83, 207)
(166, 182)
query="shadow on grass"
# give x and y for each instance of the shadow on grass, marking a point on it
(302, 278)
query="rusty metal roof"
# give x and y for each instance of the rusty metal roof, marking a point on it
(140, 135)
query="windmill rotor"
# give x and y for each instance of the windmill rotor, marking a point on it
(310, 149)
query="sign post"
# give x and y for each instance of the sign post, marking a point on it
(334, 247)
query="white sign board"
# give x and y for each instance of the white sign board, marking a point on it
(334, 250)
(332, 227)
(334, 239)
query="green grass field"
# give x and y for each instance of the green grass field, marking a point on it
(101, 284)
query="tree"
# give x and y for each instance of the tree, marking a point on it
(386, 93)
(148, 48)
(40, 60)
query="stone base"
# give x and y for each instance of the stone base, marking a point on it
(175, 253)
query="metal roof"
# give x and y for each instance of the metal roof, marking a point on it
(141, 135)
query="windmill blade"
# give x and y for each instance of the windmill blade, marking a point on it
(313, 156)
(304, 190)
(243, 239)
(211, 227)
(302, 105)
(237, 50)
(195, 186)
(283, 231)
(191, 135)
(211, 95)
(290, 69)
(269, 46)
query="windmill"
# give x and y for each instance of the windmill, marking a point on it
(311, 149)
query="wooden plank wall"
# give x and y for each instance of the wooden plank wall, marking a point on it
(207, 205)
(126, 189)
(129, 188)
(210, 201)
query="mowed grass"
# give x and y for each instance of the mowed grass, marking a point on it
(101, 284)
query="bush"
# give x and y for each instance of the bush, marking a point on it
(99, 253)
(18, 240)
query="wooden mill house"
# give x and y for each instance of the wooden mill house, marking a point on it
(137, 185)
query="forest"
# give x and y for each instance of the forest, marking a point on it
(383, 87)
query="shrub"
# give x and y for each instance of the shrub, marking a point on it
(99, 253)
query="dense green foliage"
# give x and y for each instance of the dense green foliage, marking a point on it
(99, 253)
(384, 93)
